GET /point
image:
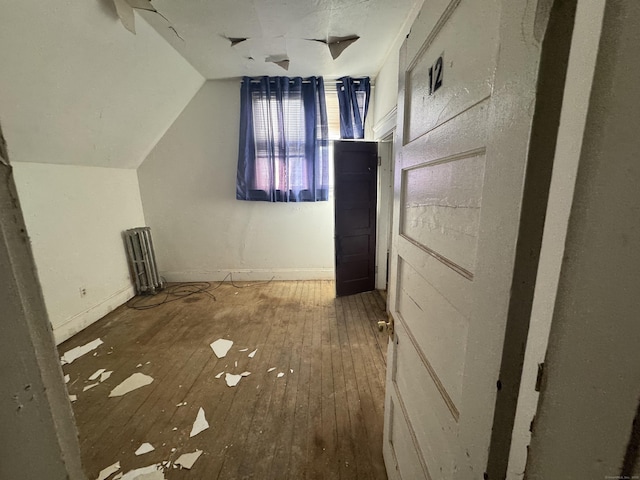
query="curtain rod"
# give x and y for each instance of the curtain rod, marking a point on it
(329, 86)
(356, 80)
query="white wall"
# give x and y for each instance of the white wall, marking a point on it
(386, 91)
(77, 88)
(385, 94)
(201, 232)
(74, 217)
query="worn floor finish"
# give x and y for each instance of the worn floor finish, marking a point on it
(324, 420)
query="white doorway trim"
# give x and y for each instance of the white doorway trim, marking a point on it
(383, 133)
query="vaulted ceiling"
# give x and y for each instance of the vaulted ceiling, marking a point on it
(210, 34)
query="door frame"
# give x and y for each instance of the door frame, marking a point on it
(384, 209)
(581, 69)
(384, 131)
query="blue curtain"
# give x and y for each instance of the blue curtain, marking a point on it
(283, 150)
(353, 98)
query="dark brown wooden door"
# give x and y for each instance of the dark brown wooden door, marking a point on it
(355, 167)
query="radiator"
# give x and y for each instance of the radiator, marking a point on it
(142, 260)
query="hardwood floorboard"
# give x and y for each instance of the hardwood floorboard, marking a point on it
(269, 355)
(358, 404)
(235, 437)
(315, 442)
(285, 418)
(370, 383)
(268, 425)
(348, 403)
(321, 421)
(236, 415)
(298, 455)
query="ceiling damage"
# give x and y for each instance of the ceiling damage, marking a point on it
(232, 38)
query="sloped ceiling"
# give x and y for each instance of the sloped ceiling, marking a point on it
(77, 88)
(206, 33)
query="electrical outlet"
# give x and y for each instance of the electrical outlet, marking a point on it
(83, 291)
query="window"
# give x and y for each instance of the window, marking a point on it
(283, 153)
(333, 113)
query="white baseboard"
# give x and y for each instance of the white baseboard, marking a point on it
(83, 319)
(253, 274)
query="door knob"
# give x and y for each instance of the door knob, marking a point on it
(388, 326)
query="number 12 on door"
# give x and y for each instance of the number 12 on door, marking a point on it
(435, 75)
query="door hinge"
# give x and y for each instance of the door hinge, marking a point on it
(379, 161)
(539, 377)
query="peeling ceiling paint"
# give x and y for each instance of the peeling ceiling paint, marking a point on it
(232, 38)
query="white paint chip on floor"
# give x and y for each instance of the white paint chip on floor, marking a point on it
(220, 374)
(67, 378)
(138, 365)
(281, 374)
(243, 350)
(77, 352)
(73, 398)
(104, 376)
(232, 380)
(97, 373)
(186, 460)
(181, 404)
(200, 424)
(253, 354)
(271, 369)
(151, 472)
(89, 387)
(245, 374)
(110, 470)
(134, 382)
(291, 370)
(221, 346)
(144, 448)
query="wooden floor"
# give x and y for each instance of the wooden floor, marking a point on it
(322, 419)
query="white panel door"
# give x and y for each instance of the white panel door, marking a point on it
(467, 91)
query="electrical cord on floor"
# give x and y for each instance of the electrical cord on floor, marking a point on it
(171, 294)
(183, 290)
